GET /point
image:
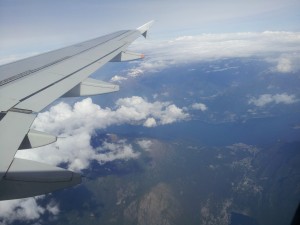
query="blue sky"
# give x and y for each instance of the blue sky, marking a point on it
(33, 26)
(72, 20)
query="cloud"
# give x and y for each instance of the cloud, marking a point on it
(85, 115)
(112, 151)
(171, 114)
(137, 110)
(288, 63)
(199, 106)
(26, 209)
(283, 46)
(145, 144)
(150, 122)
(117, 78)
(78, 123)
(53, 208)
(135, 72)
(265, 99)
(284, 65)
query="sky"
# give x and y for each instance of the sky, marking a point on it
(34, 26)
(184, 32)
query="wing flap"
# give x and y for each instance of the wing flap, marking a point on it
(36, 139)
(91, 87)
(26, 178)
(127, 56)
(40, 100)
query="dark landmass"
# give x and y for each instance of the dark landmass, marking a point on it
(179, 183)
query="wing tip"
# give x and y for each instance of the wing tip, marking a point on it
(144, 28)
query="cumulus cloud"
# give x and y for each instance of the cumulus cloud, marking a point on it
(137, 110)
(25, 210)
(199, 106)
(150, 122)
(283, 46)
(79, 122)
(265, 99)
(85, 115)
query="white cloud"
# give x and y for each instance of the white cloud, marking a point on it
(171, 114)
(117, 78)
(137, 110)
(118, 150)
(25, 210)
(77, 152)
(265, 99)
(135, 72)
(145, 144)
(199, 106)
(53, 208)
(79, 122)
(287, 63)
(150, 122)
(284, 46)
(85, 115)
(284, 65)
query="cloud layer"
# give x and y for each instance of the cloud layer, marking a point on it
(78, 123)
(266, 99)
(282, 49)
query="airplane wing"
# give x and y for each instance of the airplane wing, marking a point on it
(29, 85)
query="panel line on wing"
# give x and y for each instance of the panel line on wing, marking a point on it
(29, 72)
(71, 74)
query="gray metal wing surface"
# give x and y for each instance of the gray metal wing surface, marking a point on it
(29, 85)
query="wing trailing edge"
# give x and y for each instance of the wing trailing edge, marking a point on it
(91, 87)
(35, 139)
(26, 178)
(127, 56)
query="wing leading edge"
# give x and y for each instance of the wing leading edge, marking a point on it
(29, 85)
